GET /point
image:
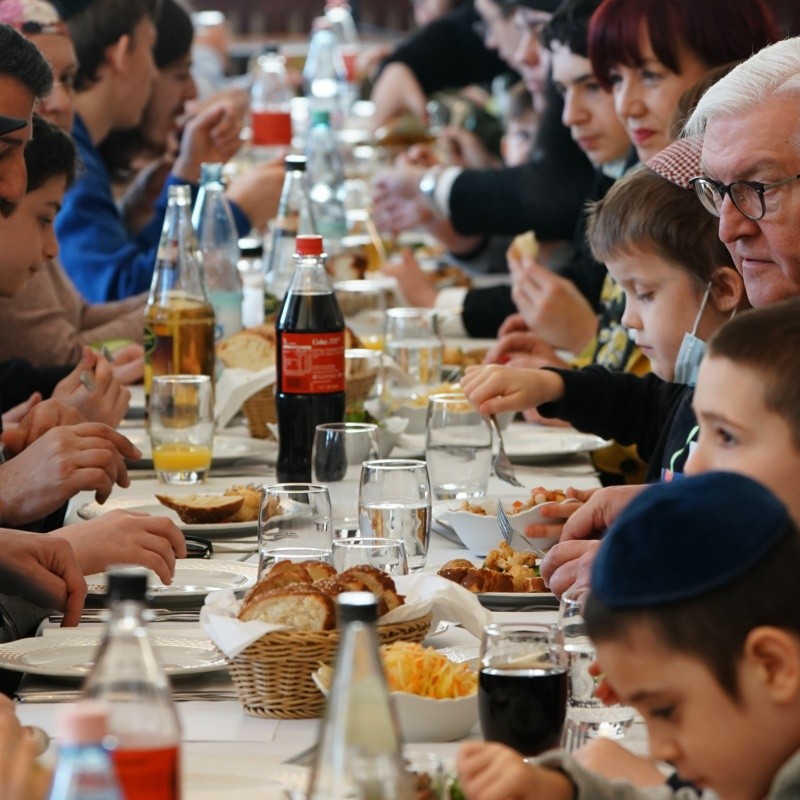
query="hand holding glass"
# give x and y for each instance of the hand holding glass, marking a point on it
(181, 426)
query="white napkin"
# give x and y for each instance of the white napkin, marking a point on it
(232, 636)
(448, 601)
(234, 386)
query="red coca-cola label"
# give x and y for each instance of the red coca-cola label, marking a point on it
(313, 363)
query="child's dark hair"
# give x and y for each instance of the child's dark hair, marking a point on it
(97, 25)
(569, 26)
(49, 154)
(767, 340)
(713, 627)
(21, 59)
(643, 209)
(520, 102)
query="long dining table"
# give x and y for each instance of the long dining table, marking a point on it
(227, 753)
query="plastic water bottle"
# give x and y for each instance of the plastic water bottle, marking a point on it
(359, 750)
(340, 17)
(270, 106)
(216, 234)
(84, 769)
(325, 170)
(324, 75)
(128, 678)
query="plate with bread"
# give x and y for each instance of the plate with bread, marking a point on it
(193, 579)
(224, 513)
(227, 449)
(507, 578)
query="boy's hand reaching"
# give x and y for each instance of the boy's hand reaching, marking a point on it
(493, 389)
(490, 771)
(415, 285)
(41, 418)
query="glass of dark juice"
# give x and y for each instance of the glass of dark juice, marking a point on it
(522, 687)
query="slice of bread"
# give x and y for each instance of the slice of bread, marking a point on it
(199, 509)
(252, 348)
(299, 606)
(251, 503)
(524, 246)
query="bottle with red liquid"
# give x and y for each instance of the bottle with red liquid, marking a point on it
(310, 362)
(127, 677)
(270, 106)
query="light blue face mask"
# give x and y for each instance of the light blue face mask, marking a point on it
(692, 350)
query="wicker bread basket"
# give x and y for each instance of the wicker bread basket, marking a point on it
(273, 676)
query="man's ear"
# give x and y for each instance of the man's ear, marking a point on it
(774, 655)
(118, 53)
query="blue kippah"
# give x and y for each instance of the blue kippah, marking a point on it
(682, 539)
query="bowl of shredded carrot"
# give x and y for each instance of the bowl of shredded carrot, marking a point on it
(435, 699)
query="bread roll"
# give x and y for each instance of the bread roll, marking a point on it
(199, 509)
(252, 348)
(524, 246)
(300, 606)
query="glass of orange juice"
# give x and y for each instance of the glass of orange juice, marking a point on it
(181, 420)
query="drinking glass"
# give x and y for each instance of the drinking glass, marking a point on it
(394, 502)
(340, 448)
(412, 339)
(270, 556)
(522, 686)
(386, 554)
(363, 304)
(458, 447)
(181, 425)
(294, 515)
(587, 716)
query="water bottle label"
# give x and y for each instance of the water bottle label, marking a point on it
(271, 128)
(313, 363)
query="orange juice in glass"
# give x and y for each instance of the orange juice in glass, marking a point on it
(181, 422)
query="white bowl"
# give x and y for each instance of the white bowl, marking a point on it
(423, 719)
(480, 533)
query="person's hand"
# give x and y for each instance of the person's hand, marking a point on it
(415, 285)
(124, 537)
(59, 464)
(599, 511)
(491, 771)
(463, 148)
(524, 349)
(211, 136)
(418, 155)
(512, 323)
(105, 402)
(21, 778)
(493, 389)
(560, 512)
(614, 762)
(44, 571)
(395, 91)
(128, 364)
(137, 204)
(397, 204)
(40, 419)
(258, 191)
(17, 413)
(568, 564)
(551, 306)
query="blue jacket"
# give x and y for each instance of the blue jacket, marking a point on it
(103, 259)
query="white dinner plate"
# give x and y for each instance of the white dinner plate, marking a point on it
(149, 505)
(527, 444)
(71, 655)
(194, 578)
(227, 449)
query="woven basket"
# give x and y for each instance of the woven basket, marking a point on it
(273, 676)
(259, 409)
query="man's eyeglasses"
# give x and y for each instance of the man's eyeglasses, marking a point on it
(747, 196)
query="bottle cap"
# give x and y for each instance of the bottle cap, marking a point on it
(309, 245)
(357, 607)
(320, 116)
(127, 583)
(211, 172)
(84, 722)
(251, 246)
(294, 163)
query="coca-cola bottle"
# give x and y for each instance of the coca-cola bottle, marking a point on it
(310, 362)
(270, 106)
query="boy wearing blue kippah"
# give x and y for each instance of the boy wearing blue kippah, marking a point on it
(707, 649)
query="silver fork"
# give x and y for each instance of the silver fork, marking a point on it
(512, 536)
(502, 463)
